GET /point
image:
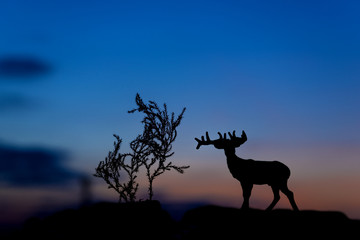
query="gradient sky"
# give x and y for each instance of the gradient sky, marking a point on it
(286, 72)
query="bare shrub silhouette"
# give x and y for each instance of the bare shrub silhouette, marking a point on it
(151, 150)
(158, 135)
(116, 163)
(250, 172)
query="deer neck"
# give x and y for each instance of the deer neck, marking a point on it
(234, 163)
(230, 153)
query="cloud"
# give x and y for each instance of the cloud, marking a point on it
(20, 166)
(22, 66)
(9, 102)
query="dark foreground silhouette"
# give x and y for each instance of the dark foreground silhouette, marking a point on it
(148, 220)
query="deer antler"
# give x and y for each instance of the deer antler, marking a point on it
(232, 136)
(203, 141)
(238, 140)
(222, 142)
(208, 141)
(221, 138)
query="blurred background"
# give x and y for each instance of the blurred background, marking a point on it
(286, 72)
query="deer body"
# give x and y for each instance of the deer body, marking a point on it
(249, 172)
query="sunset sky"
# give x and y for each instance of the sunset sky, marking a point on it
(285, 72)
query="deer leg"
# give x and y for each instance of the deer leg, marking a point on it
(290, 195)
(275, 190)
(246, 194)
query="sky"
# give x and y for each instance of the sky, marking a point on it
(285, 72)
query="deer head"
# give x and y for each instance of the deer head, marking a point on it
(223, 142)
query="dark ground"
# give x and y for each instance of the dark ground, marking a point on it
(148, 220)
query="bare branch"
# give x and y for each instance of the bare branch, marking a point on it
(159, 134)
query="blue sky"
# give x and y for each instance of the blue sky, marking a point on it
(286, 72)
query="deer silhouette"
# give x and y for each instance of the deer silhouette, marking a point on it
(250, 172)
